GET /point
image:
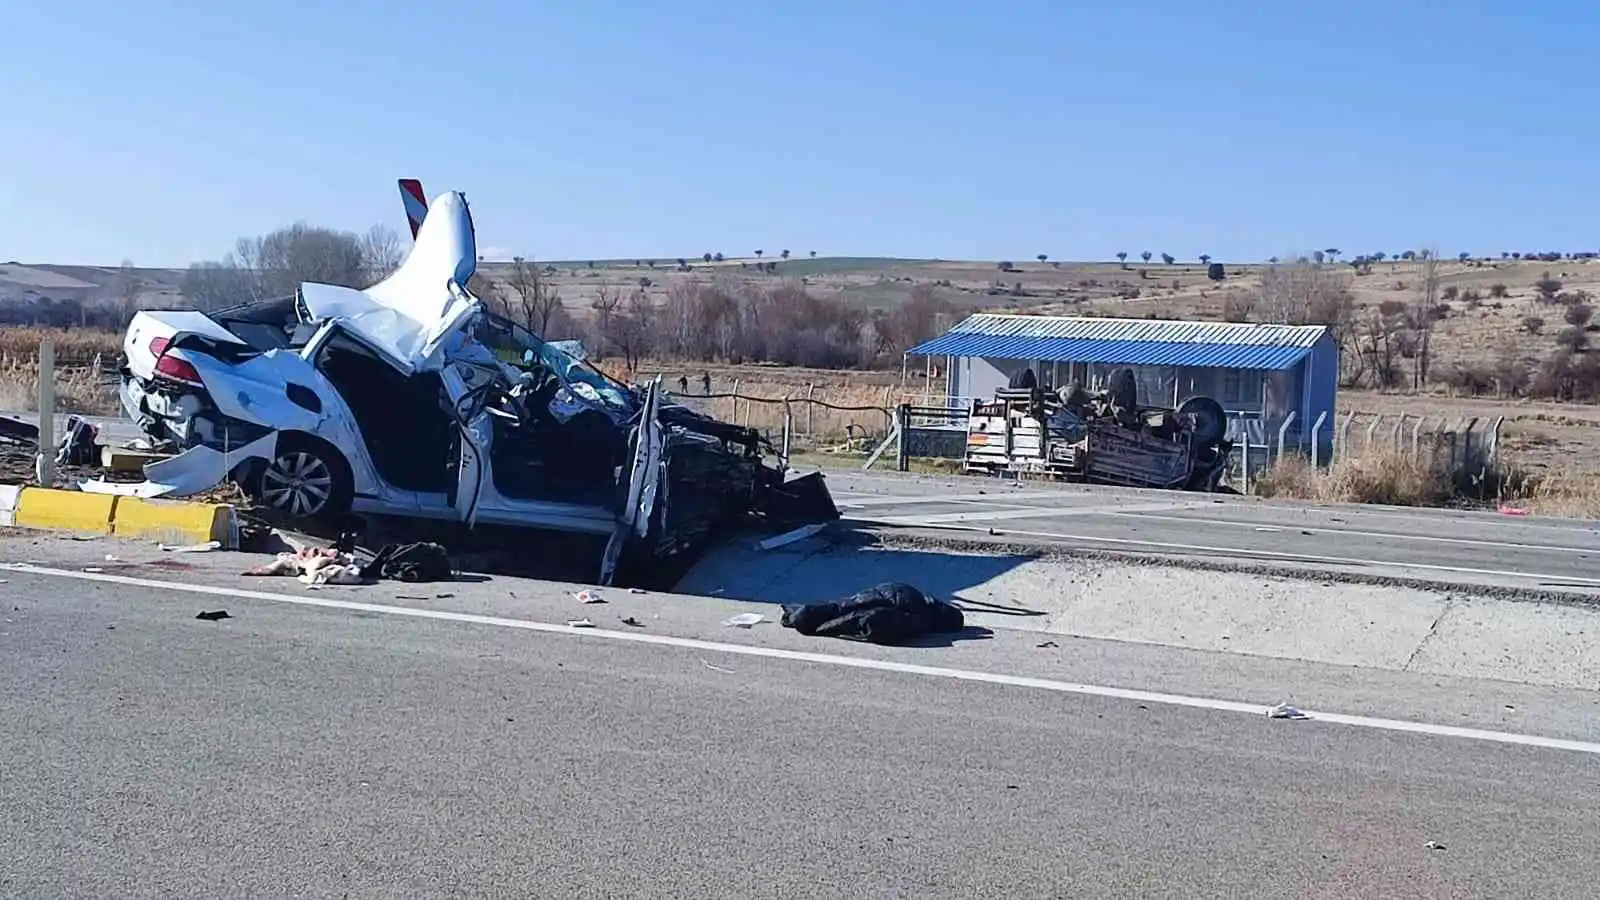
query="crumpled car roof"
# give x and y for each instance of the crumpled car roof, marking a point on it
(403, 314)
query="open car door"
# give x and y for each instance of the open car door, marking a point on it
(644, 481)
(469, 387)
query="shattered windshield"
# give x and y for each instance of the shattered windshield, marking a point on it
(520, 347)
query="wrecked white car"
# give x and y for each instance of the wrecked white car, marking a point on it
(409, 399)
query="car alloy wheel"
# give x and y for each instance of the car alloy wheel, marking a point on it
(298, 482)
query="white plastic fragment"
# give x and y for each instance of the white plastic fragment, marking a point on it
(579, 623)
(192, 548)
(587, 596)
(745, 620)
(1285, 711)
(790, 537)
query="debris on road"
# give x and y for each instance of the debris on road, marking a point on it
(192, 548)
(418, 562)
(18, 431)
(744, 620)
(713, 668)
(791, 537)
(1285, 711)
(1433, 845)
(587, 596)
(889, 613)
(1047, 644)
(79, 445)
(631, 622)
(313, 566)
(579, 623)
(213, 615)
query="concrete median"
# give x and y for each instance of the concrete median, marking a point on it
(168, 521)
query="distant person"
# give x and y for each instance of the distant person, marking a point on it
(683, 384)
(705, 383)
(1025, 380)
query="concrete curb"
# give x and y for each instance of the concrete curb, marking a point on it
(168, 521)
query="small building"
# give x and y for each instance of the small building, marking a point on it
(1261, 374)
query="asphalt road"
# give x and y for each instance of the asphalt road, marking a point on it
(357, 750)
(1486, 548)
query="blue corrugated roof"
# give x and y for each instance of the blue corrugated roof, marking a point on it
(1153, 342)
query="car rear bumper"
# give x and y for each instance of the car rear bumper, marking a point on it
(186, 417)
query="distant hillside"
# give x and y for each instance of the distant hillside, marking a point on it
(1488, 309)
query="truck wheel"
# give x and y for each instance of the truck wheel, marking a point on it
(1205, 418)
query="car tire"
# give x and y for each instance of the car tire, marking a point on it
(305, 479)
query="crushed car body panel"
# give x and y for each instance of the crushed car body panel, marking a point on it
(408, 398)
(190, 472)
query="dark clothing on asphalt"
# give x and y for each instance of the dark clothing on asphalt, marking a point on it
(890, 613)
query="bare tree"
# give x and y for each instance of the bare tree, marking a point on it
(380, 250)
(1303, 293)
(538, 303)
(1122, 257)
(126, 290)
(1422, 316)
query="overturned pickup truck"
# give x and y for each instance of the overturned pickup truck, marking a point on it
(1103, 437)
(410, 399)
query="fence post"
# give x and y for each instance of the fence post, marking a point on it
(1244, 457)
(733, 404)
(44, 465)
(811, 408)
(1283, 432)
(1416, 436)
(1316, 443)
(1342, 439)
(1455, 442)
(1371, 429)
(902, 423)
(1494, 441)
(1466, 449)
(1394, 436)
(788, 430)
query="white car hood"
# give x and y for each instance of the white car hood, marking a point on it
(408, 314)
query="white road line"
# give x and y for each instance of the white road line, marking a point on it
(1287, 557)
(864, 500)
(1324, 529)
(1431, 517)
(879, 665)
(1012, 511)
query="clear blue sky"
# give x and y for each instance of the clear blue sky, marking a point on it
(160, 131)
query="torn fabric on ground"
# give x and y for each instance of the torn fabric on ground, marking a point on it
(313, 566)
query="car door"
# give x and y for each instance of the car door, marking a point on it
(469, 386)
(645, 472)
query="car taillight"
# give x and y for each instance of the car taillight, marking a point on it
(178, 370)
